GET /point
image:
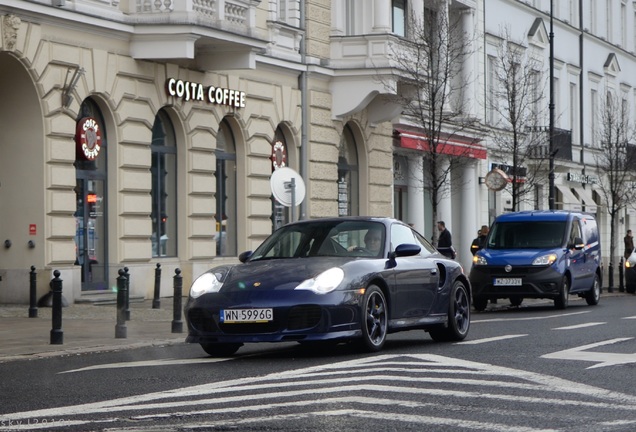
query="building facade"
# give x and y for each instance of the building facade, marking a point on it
(136, 133)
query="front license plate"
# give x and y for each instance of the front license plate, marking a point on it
(507, 282)
(229, 316)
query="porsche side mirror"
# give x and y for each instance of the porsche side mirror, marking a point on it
(244, 256)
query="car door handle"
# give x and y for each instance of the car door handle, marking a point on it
(434, 271)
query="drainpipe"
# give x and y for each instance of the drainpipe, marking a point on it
(304, 109)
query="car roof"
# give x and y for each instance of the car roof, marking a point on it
(384, 220)
(540, 215)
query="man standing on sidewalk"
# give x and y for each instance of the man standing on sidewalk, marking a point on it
(445, 241)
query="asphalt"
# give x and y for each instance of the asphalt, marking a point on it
(92, 327)
(87, 327)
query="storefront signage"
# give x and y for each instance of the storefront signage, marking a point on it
(188, 91)
(88, 138)
(582, 178)
(343, 198)
(279, 155)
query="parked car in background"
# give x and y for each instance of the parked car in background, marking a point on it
(340, 280)
(630, 273)
(539, 254)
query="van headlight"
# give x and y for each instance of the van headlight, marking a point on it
(479, 260)
(545, 260)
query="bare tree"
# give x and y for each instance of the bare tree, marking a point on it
(515, 97)
(615, 158)
(430, 84)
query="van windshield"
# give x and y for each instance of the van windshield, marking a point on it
(527, 235)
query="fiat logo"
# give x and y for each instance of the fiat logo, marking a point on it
(508, 268)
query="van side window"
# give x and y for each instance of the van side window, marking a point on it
(575, 231)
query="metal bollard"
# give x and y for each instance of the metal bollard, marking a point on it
(127, 309)
(57, 334)
(621, 276)
(33, 302)
(177, 324)
(120, 327)
(156, 302)
(610, 288)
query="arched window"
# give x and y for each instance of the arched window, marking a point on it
(225, 195)
(280, 213)
(348, 192)
(164, 187)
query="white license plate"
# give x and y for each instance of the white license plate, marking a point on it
(507, 282)
(229, 316)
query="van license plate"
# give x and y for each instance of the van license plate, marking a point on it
(507, 282)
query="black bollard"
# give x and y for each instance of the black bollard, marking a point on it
(120, 327)
(621, 276)
(156, 302)
(33, 302)
(127, 309)
(177, 324)
(610, 288)
(57, 335)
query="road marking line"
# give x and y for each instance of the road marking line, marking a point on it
(602, 359)
(491, 339)
(631, 317)
(528, 318)
(147, 363)
(578, 326)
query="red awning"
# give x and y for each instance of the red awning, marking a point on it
(450, 146)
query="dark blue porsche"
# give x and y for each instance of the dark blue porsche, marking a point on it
(340, 279)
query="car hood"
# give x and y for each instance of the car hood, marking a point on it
(516, 257)
(277, 274)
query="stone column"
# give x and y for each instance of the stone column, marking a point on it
(415, 190)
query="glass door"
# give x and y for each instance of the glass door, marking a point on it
(90, 233)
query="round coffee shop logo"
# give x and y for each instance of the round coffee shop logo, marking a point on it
(89, 138)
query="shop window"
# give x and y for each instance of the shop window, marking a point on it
(348, 192)
(164, 187)
(225, 196)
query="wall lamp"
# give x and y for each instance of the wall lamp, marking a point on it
(69, 85)
(482, 180)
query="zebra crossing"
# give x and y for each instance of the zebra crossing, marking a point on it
(382, 392)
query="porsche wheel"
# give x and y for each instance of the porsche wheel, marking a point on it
(458, 316)
(374, 319)
(220, 349)
(561, 302)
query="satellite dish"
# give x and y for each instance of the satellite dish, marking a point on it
(287, 186)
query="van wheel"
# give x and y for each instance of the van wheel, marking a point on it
(593, 296)
(561, 302)
(516, 301)
(480, 303)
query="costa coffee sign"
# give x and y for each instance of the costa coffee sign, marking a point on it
(88, 138)
(188, 91)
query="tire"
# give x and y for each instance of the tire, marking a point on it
(374, 319)
(516, 301)
(480, 304)
(220, 349)
(593, 296)
(458, 316)
(561, 302)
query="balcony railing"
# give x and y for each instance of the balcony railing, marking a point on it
(562, 144)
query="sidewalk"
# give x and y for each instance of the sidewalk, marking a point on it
(86, 328)
(91, 327)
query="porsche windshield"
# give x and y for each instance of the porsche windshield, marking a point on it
(527, 235)
(336, 239)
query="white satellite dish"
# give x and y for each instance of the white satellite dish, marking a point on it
(288, 187)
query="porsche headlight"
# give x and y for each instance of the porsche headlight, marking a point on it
(324, 283)
(545, 260)
(206, 283)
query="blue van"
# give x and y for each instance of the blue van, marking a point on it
(539, 254)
